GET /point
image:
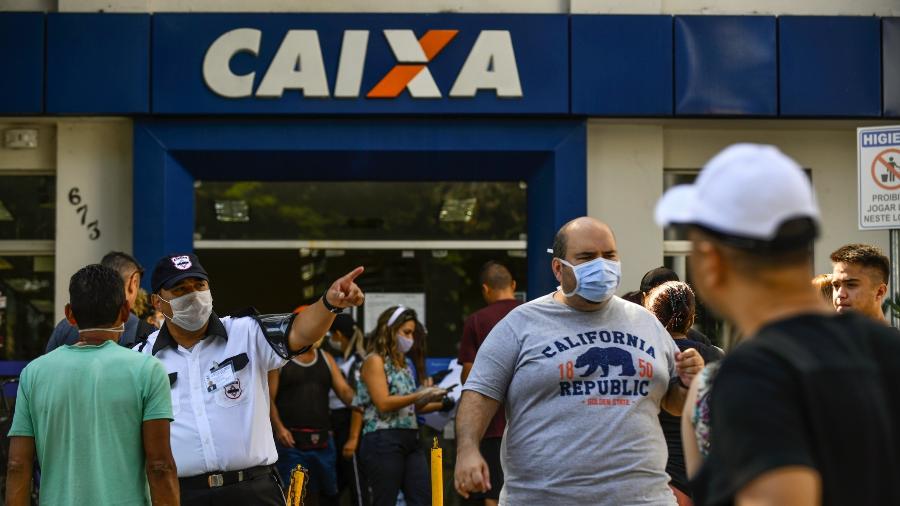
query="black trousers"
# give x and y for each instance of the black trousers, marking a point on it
(394, 461)
(349, 471)
(263, 490)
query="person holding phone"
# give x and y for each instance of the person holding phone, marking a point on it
(392, 456)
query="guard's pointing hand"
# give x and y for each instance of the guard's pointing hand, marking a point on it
(344, 292)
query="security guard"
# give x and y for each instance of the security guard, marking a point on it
(221, 437)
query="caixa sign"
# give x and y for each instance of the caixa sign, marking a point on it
(360, 64)
(299, 65)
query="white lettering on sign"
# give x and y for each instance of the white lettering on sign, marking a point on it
(880, 138)
(491, 65)
(351, 64)
(217, 63)
(878, 177)
(298, 64)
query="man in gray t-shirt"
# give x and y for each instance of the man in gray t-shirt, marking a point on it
(583, 375)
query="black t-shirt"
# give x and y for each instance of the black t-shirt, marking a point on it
(697, 336)
(671, 425)
(814, 391)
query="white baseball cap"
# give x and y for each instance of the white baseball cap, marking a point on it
(747, 191)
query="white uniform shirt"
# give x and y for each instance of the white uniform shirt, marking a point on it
(227, 429)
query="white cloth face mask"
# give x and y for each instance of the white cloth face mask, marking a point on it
(191, 311)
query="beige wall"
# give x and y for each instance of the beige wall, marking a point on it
(94, 156)
(624, 181)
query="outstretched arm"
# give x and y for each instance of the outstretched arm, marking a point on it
(472, 418)
(310, 325)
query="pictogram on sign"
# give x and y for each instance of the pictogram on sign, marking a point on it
(886, 169)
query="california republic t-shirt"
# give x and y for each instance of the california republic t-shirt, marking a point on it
(582, 392)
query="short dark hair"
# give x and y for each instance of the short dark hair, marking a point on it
(656, 277)
(559, 243)
(865, 255)
(96, 294)
(635, 297)
(121, 262)
(496, 276)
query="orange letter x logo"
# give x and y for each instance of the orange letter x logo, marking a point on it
(412, 56)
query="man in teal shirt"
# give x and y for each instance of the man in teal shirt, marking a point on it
(95, 414)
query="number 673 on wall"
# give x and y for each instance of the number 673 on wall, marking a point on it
(82, 210)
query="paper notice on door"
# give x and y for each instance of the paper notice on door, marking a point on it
(377, 303)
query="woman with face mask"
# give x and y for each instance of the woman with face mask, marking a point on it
(392, 457)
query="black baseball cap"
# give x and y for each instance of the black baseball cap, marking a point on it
(344, 323)
(171, 269)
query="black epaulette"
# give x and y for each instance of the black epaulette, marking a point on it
(247, 311)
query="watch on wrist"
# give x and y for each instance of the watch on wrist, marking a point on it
(329, 306)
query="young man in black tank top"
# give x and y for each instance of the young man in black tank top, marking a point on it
(302, 424)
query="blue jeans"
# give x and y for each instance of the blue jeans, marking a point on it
(320, 462)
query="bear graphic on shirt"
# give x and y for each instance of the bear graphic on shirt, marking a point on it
(602, 358)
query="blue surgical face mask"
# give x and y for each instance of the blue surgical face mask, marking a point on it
(595, 281)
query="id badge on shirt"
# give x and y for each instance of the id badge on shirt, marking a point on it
(220, 377)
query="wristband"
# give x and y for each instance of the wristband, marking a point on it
(329, 306)
(681, 383)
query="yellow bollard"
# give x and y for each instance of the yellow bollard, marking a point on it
(437, 475)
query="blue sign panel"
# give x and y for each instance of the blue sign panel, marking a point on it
(622, 65)
(360, 63)
(98, 63)
(22, 46)
(726, 65)
(890, 53)
(830, 66)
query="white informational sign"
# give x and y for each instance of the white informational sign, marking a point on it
(878, 157)
(438, 420)
(377, 303)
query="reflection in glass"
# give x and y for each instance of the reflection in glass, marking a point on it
(674, 178)
(354, 210)
(26, 305)
(27, 207)
(281, 280)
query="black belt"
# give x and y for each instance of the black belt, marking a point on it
(223, 478)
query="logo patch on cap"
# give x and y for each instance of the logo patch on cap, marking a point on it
(182, 263)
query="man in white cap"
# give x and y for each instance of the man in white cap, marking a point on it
(805, 410)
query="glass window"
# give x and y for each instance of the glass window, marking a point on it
(673, 178)
(276, 281)
(27, 207)
(254, 210)
(26, 305)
